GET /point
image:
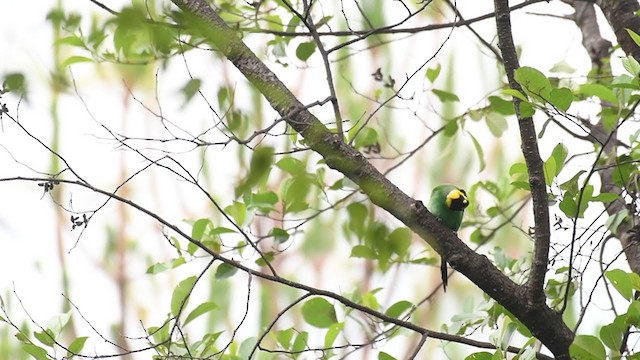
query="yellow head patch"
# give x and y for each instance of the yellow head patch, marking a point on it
(457, 200)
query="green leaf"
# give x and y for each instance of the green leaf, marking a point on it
(363, 251)
(587, 347)
(398, 308)
(291, 165)
(180, 296)
(198, 228)
(445, 96)
(200, 310)
(46, 337)
(300, 344)
(357, 217)
(561, 98)
(305, 50)
(631, 65)
(225, 271)
(533, 81)
(479, 152)
(238, 211)
(332, 333)
(562, 67)
(76, 346)
(480, 356)
(634, 36)
(497, 124)
(600, 91)
(35, 351)
(366, 137)
(432, 73)
(15, 83)
(517, 169)
(191, 88)
(501, 106)
(74, 60)
(279, 235)
(319, 312)
(284, 337)
(323, 21)
(559, 154)
(260, 166)
(516, 94)
(400, 240)
(606, 198)
(384, 356)
(549, 170)
(621, 281)
(611, 335)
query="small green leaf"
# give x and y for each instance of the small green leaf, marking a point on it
(300, 344)
(225, 271)
(238, 211)
(517, 169)
(200, 310)
(501, 106)
(398, 308)
(561, 98)
(480, 356)
(279, 235)
(74, 60)
(305, 50)
(291, 165)
(621, 282)
(37, 352)
(479, 152)
(559, 154)
(198, 228)
(562, 67)
(15, 83)
(191, 88)
(180, 296)
(319, 312)
(516, 94)
(432, 73)
(284, 337)
(631, 65)
(497, 124)
(445, 96)
(634, 36)
(587, 347)
(76, 346)
(46, 337)
(367, 137)
(400, 240)
(549, 171)
(384, 356)
(611, 335)
(332, 333)
(533, 81)
(362, 251)
(600, 91)
(606, 198)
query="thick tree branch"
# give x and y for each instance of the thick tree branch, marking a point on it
(546, 324)
(585, 17)
(535, 285)
(532, 158)
(621, 15)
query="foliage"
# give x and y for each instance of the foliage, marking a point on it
(278, 216)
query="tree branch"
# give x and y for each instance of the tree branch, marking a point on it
(535, 284)
(544, 323)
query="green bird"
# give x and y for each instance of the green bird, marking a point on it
(447, 203)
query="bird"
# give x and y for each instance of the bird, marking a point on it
(447, 204)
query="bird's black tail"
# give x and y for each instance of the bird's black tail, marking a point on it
(444, 274)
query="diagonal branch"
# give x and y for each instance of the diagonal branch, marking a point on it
(543, 322)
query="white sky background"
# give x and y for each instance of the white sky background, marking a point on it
(26, 220)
